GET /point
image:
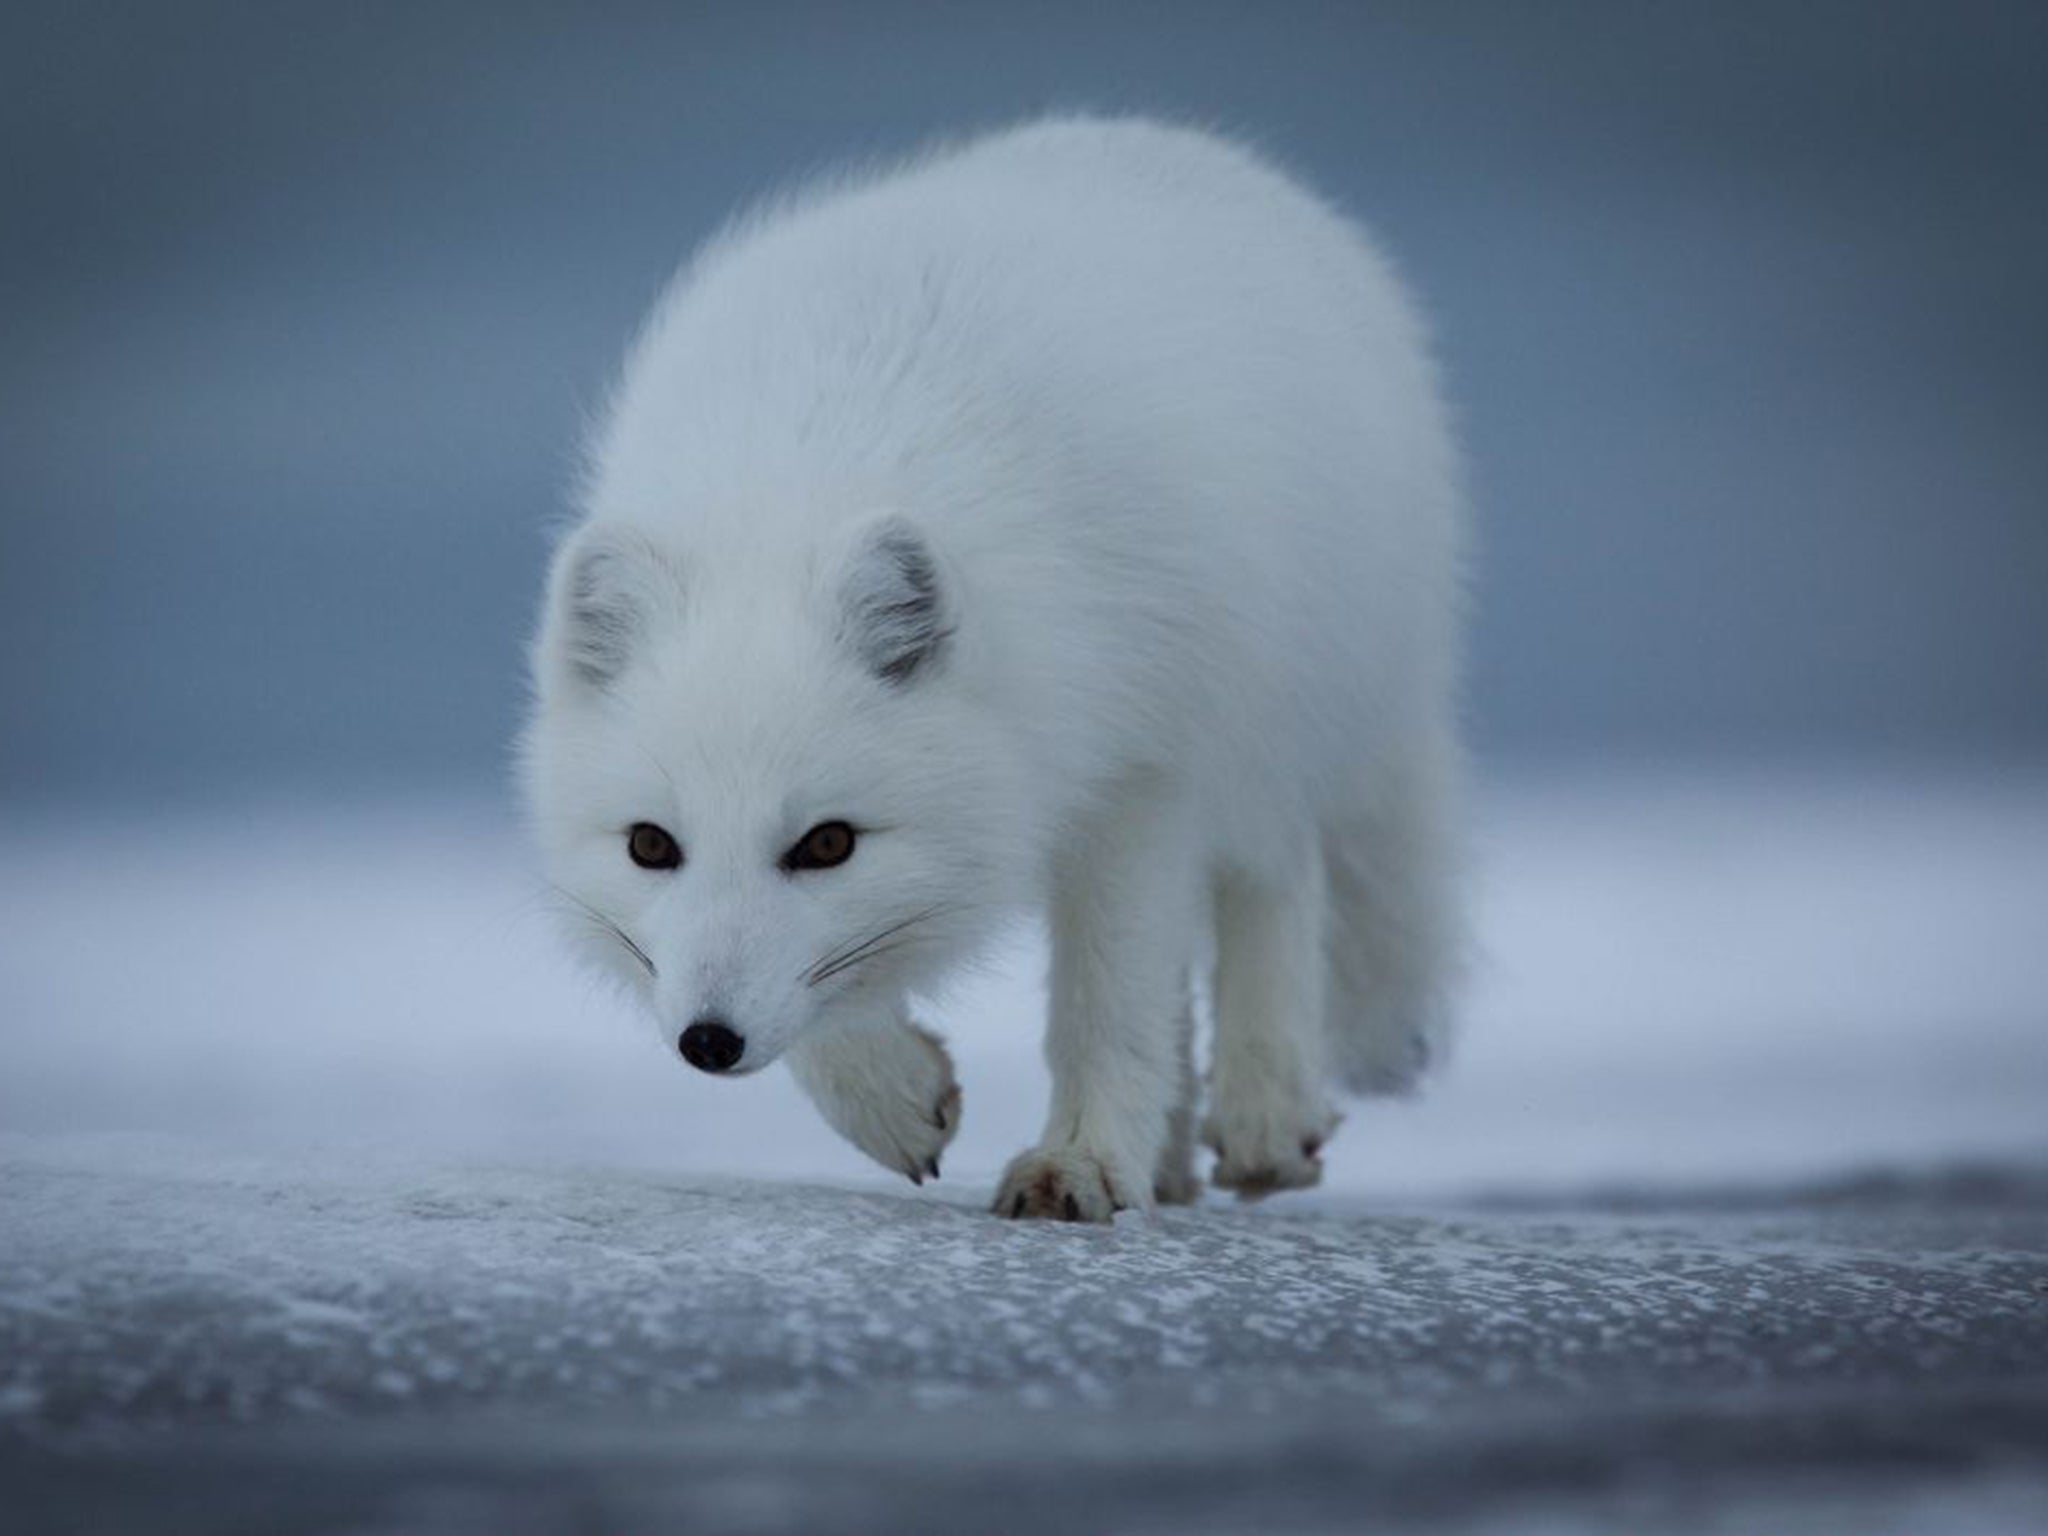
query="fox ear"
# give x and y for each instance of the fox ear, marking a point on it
(607, 587)
(897, 617)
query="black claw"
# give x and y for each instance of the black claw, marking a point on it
(1070, 1208)
(917, 1178)
(932, 1168)
(1017, 1206)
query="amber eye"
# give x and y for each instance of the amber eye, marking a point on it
(651, 847)
(826, 844)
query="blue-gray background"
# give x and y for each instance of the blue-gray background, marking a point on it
(302, 308)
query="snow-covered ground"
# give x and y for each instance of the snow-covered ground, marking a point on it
(286, 1345)
(331, 1198)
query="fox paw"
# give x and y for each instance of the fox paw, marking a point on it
(1259, 1155)
(889, 1090)
(1061, 1184)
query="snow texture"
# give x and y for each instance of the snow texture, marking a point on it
(332, 1201)
(765, 1337)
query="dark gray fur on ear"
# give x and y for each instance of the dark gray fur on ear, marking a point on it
(896, 612)
(609, 584)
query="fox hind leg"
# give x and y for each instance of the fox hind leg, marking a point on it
(1269, 1115)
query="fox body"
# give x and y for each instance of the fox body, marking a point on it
(1065, 521)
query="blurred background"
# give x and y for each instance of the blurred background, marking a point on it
(305, 306)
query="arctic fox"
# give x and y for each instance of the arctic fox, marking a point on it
(1063, 521)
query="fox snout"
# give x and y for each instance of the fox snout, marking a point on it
(712, 1045)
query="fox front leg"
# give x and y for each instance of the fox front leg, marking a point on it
(887, 1086)
(1123, 917)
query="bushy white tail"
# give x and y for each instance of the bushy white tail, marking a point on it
(1394, 938)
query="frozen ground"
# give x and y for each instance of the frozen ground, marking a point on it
(330, 1200)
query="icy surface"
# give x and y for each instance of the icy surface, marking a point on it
(202, 1293)
(697, 1347)
(331, 1200)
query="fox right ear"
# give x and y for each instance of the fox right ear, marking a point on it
(607, 587)
(895, 606)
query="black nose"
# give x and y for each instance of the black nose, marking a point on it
(711, 1045)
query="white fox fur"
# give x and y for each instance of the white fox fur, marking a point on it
(1072, 514)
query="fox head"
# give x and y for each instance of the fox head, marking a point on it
(761, 780)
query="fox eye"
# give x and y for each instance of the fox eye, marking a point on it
(827, 844)
(651, 847)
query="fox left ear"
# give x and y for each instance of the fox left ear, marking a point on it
(897, 617)
(609, 587)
